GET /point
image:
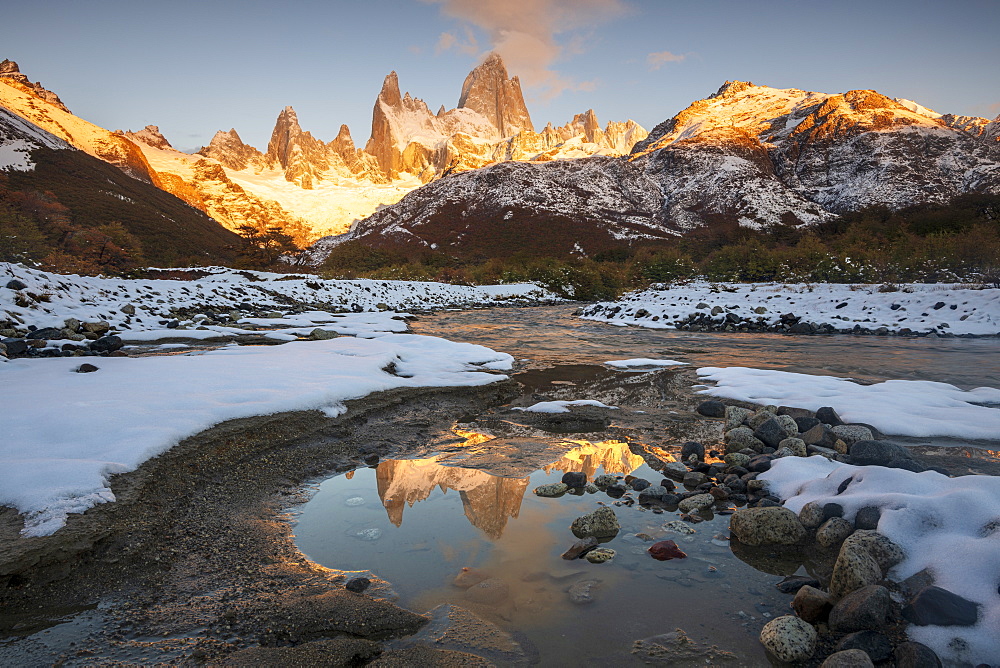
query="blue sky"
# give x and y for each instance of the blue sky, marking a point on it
(195, 67)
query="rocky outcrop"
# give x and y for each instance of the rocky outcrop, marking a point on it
(489, 92)
(229, 149)
(11, 75)
(149, 135)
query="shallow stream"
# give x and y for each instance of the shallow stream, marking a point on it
(416, 523)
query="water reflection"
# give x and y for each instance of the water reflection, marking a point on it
(488, 500)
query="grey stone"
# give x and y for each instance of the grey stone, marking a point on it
(696, 502)
(605, 480)
(692, 448)
(827, 415)
(806, 423)
(653, 493)
(793, 412)
(882, 453)
(87, 368)
(833, 532)
(600, 555)
(767, 526)
(638, 484)
(866, 609)
(852, 433)
(854, 569)
(582, 592)
(712, 408)
(694, 478)
(868, 517)
(675, 470)
(320, 334)
(792, 583)
(735, 415)
(14, 284)
(848, 658)
(759, 418)
(771, 432)
(107, 344)
(100, 327)
(940, 607)
(129, 309)
(740, 438)
(886, 553)
(736, 459)
(789, 638)
(811, 515)
(574, 479)
(796, 445)
(552, 489)
(601, 523)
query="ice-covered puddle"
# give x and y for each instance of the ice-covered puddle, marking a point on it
(417, 523)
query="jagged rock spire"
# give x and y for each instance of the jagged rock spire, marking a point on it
(488, 91)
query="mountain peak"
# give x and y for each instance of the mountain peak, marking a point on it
(149, 135)
(11, 73)
(390, 90)
(9, 67)
(731, 88)
(488, 91)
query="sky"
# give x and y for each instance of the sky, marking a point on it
(194, 67)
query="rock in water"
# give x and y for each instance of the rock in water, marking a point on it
(915, 655)
(489, 592)
(875, 645)
(600, 555)
(580, 548)
(574, 479)
(789, 638)
(468, 577)
(767, 526)
(601, 523)
(552, 490)
(665, 550)
(582, 592)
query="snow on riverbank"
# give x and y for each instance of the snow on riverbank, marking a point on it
(66, 433)
(953, 309)
(946, 525)
(58, 296)
(917, 408)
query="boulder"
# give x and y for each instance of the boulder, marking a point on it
(638, 484)
(711, 408)
(915, 655)
(833, 532)
(796, 445)
(886, 553)
(827, 415)
(735, 415)
(580, 548)
(865, 609)
(789, 638)
(100, 327)
(574, 479)
(759, 464)
(654, 493)
(811, 515)
(791, 584)
(320, 334)
(742, 437)
(601, 523)
(882, 453)
(552, 489)
(934, 606)
(600, 555)
(767, 526)
(852, 433)
(868, 517)
(805, 423)
(736, 459)
(46, 333)
(665, 550)
(820, 435)
(692, 449)
(812, 604)
(848, 658)
(107, 344)
(696, 502)
(695, 478)
(875, 645)
(771, 432)
(854, 569)
(14, 284)
(605, 480)
(675, 470)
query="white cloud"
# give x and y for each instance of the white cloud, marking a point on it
(526, 34)
(658, 59)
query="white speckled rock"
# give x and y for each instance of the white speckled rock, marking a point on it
(767, 526)
(696, 502)
(812, 515)
(833, 532)
(849, 658)
(789, 638)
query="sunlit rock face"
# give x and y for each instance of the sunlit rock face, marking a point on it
(231, 152)
(488, 91)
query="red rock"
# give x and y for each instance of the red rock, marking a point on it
(665, 550)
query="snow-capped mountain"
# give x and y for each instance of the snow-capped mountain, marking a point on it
(752, 154)
(309, 187)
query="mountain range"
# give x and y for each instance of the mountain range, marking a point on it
(310, 188)
(478, 180)
(749, 154)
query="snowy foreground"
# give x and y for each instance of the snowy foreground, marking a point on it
(66, 433)
(921, 308)
(94, 298)
(948, 526)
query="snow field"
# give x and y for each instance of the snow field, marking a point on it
(919, 307)
(949, 526)
(110, 421)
